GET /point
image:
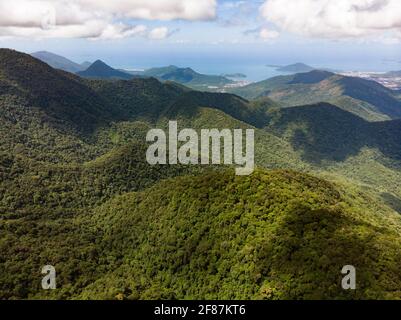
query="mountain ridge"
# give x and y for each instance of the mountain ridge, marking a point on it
(365, 98)
(58, 62)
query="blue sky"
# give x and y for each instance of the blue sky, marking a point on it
(209, 34)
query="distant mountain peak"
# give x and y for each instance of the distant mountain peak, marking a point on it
(101, 70)
(314, 76)
(99, 64)
(296, 68)
(300, 64)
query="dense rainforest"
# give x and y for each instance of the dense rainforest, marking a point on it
(76, 192)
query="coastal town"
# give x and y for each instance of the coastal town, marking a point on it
(389, 80)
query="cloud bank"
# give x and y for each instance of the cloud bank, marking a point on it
(96, 19)
(337, 19)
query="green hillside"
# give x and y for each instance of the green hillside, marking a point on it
(361, 152)
(272, 235)
(47, 114)
(303, 125)
(365, 98)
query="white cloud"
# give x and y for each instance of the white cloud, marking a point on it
(233, 4)
(159, 33)
(335, 19)
(263, 33)
(96, 19)
(267, 34)
(120, 31)
(156, 9)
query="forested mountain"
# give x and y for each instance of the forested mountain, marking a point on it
(76, 192)
(275, 235)
(365, 98)
(41, 105)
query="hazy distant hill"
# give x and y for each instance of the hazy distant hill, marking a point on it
(367, 99)
(187, 76)
(100, 70)
(296, 68)
(58, 62)
(394, 74)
